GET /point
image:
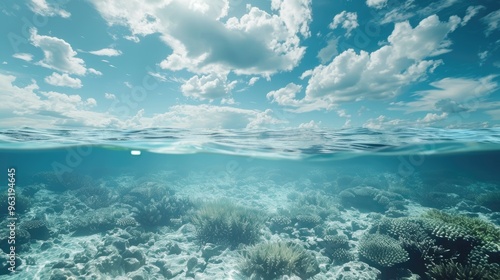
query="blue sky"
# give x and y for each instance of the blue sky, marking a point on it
(238, 64)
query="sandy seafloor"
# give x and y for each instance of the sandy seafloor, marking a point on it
(172, 251)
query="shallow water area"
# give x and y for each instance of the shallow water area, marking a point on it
(179, 204)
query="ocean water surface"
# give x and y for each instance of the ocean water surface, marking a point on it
(220, 204)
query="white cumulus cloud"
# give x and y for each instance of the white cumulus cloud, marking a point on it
(382, 122)
(258, 42)
(346, 20)
(63, 80)
(310, 125)
(433, 117)
(296, 14)
(58, 54)
(206, 117)
(210, 87)
(381, 74)
(28, 106)
(285, 96)
(377, 4)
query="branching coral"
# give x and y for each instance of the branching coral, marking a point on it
(464, 227)
(279, 223)
(455, 271)
(444, 243)
(160, 213)
(94, 197)
(336, 241)
(272, 260)
(414, 235)
(382, 250)
(126, 221)
(307, 221)
(225, 223)
(341, 256)
(336, 247)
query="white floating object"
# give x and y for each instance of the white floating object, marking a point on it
(135, 152)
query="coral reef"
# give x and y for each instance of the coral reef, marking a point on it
(356, 270)
(22, 237)
(370, 199)
(458, 226)
(142, 229)
(63, 182)
(223, 222)
(490, 200)
(30, 190)
(341, 256)
(280, 223)
(161, 213)
(272, 260)
(94, 197)
(37, 229)
(382, 250)
(451, 270)
(314, 203)
(336, 247)
(146, 191)
(126, 221)
(22, 204)
(98, 221)
(444, 246)
(307, 221)
(416, 239)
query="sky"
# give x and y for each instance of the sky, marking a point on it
(235, 64)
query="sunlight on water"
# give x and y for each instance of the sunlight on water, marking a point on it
(270, 144)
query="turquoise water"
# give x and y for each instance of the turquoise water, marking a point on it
(113, 204)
